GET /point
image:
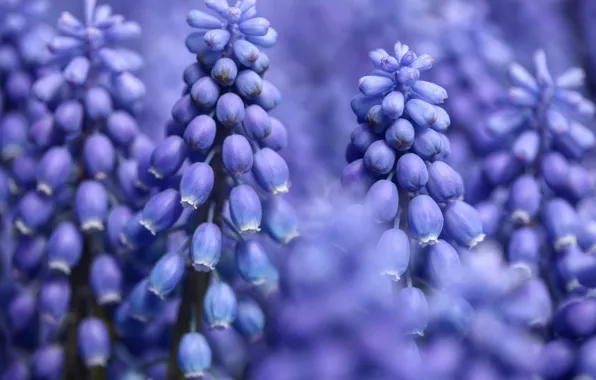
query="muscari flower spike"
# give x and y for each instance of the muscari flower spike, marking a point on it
(545, 121)
(72, 182)
(216, 180)
(400, 144)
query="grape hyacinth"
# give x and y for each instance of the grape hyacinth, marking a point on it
(540, 166)
(532, 194)
(397, 170)
(66, 185)
(217, 181)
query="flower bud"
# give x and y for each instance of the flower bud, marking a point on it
(230, 110)
(393, 104)
(200, 133)
(91, 205)
(444, 184)
(237, 155)
(48, 362)
(122, 128)
(252, 262)
(168, 157)
(425, 220)
(65, 247)
(412, 174)
(144, 303)
(245, 52)
(248, 84)
(524, 249)
(29, 255)
(257, 124)
(205, 93)
(269, 97)
(362, 137)
(98, 103)
(561, 222)
(371, 85)
(393, 250)
(217, 39)
(53, 299)
(220, 306)
(413, 309)
(206, 246)
(444, 264)
(196, 185)
(99, 156)
(194, 354)
(271, 171)
(162, 211)
(280, 220)
(184, 110)
(134, 234)
(245, 208)
(429, 92)
(53, 170)
(167, 274)
(94, 342)
(382, 201)
(33, 212)
(524, 199)
(463, 224)
(400, 135)
(250, 321)
(106, 279)
(224, 71)
(379, 158)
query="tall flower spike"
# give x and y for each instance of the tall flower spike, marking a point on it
(72, 163)
(401, 144)
(544, 121)
(214, 180)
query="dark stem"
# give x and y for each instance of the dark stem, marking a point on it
(75, 369)
(196, 283)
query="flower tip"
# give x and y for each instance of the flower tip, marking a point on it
(92, 225)
(22, 227)
(476, 240)
(109, 298)
(148, 226)
(45, 189)
(189, 202)
(59, 266)
(565, 241)
(155, 173)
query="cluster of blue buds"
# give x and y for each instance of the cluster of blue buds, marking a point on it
(535, 200)
(539, 163)
(216, 181)
(396, 165)
(69, 186)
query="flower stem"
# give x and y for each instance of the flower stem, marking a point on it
(196, 283)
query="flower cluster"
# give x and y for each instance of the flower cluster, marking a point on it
(533, 192)
(540, 164)
(69, 188)
(396, 164)
(217, 179)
